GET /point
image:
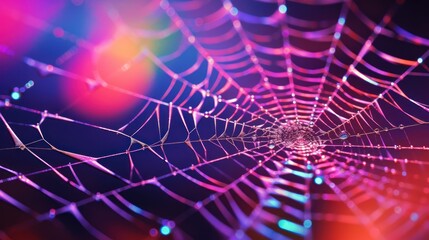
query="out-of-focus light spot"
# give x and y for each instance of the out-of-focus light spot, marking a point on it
(295, 196)
(227, 5)
(153, 232)
(307, 223)
(17, 16)
(29, 84)
(414, 217)
(114, 54)
(165, 230)
(396, 192)
(15, 95)
(341, 21)
(135, 209)
(239, 234)
(191, 39)
(49, 68)
(377, 29)
(337, 35)
(398, 210)
(302, 174)
(52, 213)
(272, 202)
(233, 11)
(291, 227)
(318, 180)
(419, 60)
(282, 9)
(58, 32)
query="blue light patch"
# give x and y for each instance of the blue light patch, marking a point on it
(307, 223)
(165, 230)
(341, 21)
(303, 174)
(291, 227)
(318, 180)
(282, 9)
(29, 84)
(414, 217)
(239, 234)
(295, 196)
(233, 11)
(15, 95)
(272, 202)
(337, 35)
(135, 209)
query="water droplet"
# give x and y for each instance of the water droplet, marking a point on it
(414, 216)
(165, 230)
(282, 9)
(318, 180)
(343, 135)
(271, 145)
(97, 196)
(401, 126)
(307, 223)
(6, 102)
(153, 232)
(15, 95)
(198, 205)
(52, 213)
(29, 84)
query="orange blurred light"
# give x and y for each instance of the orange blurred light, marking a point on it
(118, 63)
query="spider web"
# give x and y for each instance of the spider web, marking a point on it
(263, 119)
